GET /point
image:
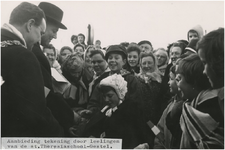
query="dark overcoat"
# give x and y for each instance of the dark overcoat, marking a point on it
(60, 109)
(96, 102)
(23, 112)
(126, 123)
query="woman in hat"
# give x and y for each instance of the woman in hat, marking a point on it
(120, 118)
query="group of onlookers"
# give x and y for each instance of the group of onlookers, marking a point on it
(150, 98)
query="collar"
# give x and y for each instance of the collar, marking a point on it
(12, 29)
(109, 112)
(41, 47)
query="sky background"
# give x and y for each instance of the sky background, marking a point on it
(131, 21)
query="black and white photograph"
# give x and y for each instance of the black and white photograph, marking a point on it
(112, 74)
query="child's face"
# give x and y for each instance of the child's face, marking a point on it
(132, 58)
(65, 54)
(172, 83)
(80, 39)
(79, 50)
(192, 35)
(116, 62)
(111, 98)
(186, 88)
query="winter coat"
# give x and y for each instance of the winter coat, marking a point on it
(24, 112)
(60, 109)
(96, 102)
(149, 103)
(126, 123)
(164, 94)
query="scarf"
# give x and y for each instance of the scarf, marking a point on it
(110, 111)
(198, 127)
(12, 29)
(148, 77)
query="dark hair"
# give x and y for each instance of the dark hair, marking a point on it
(134, 47)
(97, 41)
(173, 69)
(72, 37)
(125, 44)
(185, 42)
(181, 45)
(168, 49)
(97, 52)
(80, 34)
(145, 42)
(105, 89)
(79, 45)
(212, 45)
(66, 47)
(192, 68)
(50, 46)
(26, 11)
(192, 31)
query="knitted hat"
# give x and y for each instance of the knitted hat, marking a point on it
(118, 83)
(116, 49)
(192, 46)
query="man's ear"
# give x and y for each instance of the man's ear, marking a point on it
(29, 24)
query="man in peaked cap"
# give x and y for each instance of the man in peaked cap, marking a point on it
(60, 109)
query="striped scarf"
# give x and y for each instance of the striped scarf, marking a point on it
(200, 128)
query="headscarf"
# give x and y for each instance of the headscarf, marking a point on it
(147, 76)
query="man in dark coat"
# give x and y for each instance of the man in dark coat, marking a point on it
(24, 110)
(60, 109)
